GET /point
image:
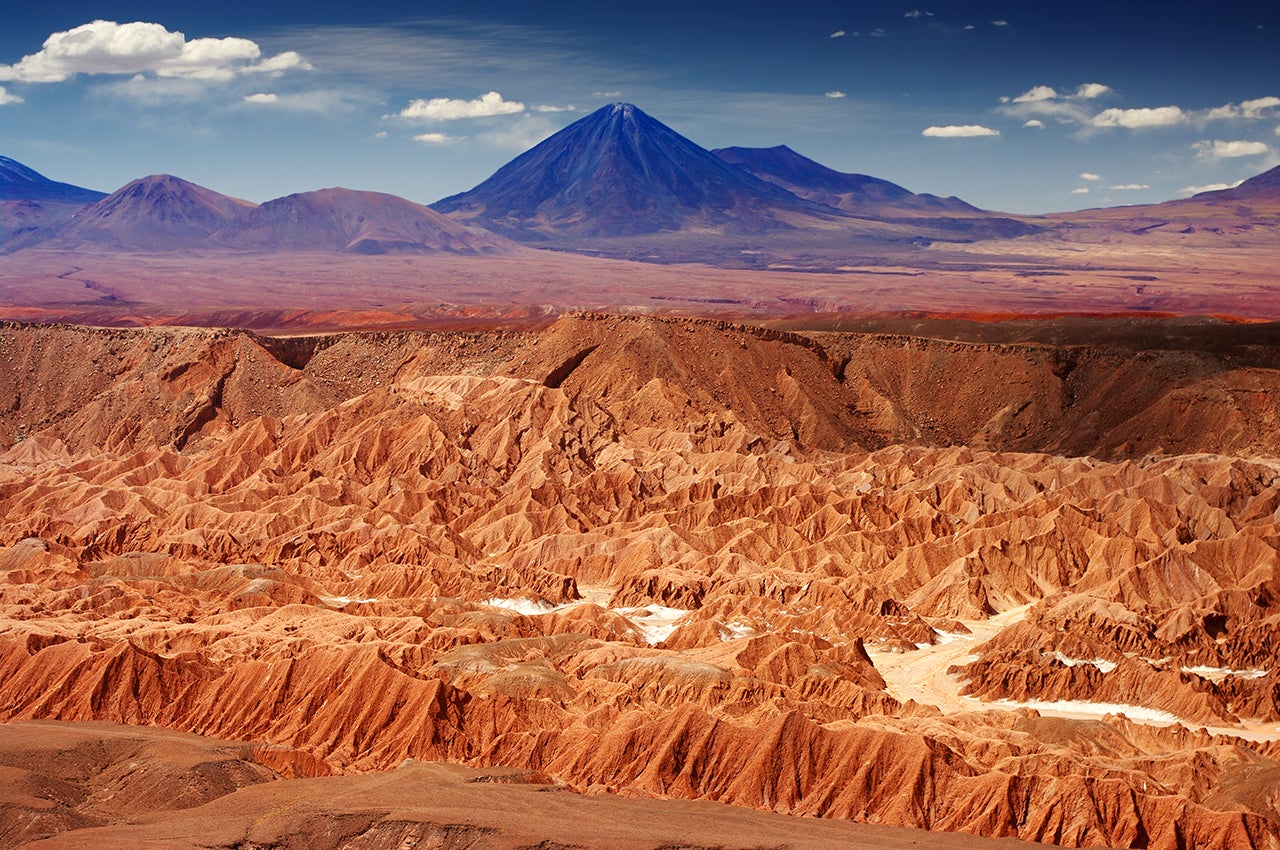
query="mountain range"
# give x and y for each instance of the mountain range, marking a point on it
(615, 183)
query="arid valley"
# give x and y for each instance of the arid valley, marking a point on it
(344, 522)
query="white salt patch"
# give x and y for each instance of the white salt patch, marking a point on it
(950, 637)
(655, 622)
(1073, 706)
(733, 631)
(1101, 663)
(1224, 672)
(346, 600)
(523, 606)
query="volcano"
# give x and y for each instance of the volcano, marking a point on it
(619, 172)
(855, 193)
(354, 222)
(20, 183)
(160, 212)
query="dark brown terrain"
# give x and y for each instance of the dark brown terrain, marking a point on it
(1025, 587)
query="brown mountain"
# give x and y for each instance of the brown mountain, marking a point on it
(354, 222)
(156, 213)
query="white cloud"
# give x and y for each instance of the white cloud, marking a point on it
(970, 27)
(1089, 91)
(1090, 176)
(320, 101)
(107, 47)
(839, 34)
(606, 94)
(436, 138)
(261, 98)
(1160, 116)
(486, 105)
(1083, 190)
(6, 99)
(918, 13)
(1000, 23)
(1130, 187)
(879, 32)
(1250, 110)
(1037, 94)
(1218, 149)
(835, 95)
(381, 134)
(1035, 123)
(547, 107)
(1212, 187)
(954, 131)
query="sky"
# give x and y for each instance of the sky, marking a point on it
(1023, 106)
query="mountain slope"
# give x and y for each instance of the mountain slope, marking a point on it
(1264, 186)
(155, 213)
(619, 172)
(20, 183)
(353, 222)
(857, 193)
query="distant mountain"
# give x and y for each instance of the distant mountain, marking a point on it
(619, 172)
(20, 183)
(854, 193)
(156, 213)
(353, 222)
(1263, 186)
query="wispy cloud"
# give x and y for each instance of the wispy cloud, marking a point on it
(962, 131)
(262, 97)
(918, 13)
(6, 98)
(549, 107)
(836, 94)
(1211, 187)
(879, 32)
(107, 47)
(1082, 190)
(838, 34)
(1090, 176)
(1000, 23)
(1140, 118)
(1047, 102)
(518, 135)
(1129, 187)
(1218, 149)
(488, 105)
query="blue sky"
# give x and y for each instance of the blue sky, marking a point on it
(1018, 106)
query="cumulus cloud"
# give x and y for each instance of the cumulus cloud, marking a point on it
(1130, 187)
(261, 97)
(963, 131)
(1089, 91)
(6, 98)
(1083, 190)
(486, 105)
(1134, 119)
(839, 34)
(436, 138)
(835, 95)
(1249, 110)
(1218, 149)
(1035, 123)
(1036, 94)
(1090, 176)
(107, 47)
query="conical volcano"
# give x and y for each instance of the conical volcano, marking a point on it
(620, 172)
